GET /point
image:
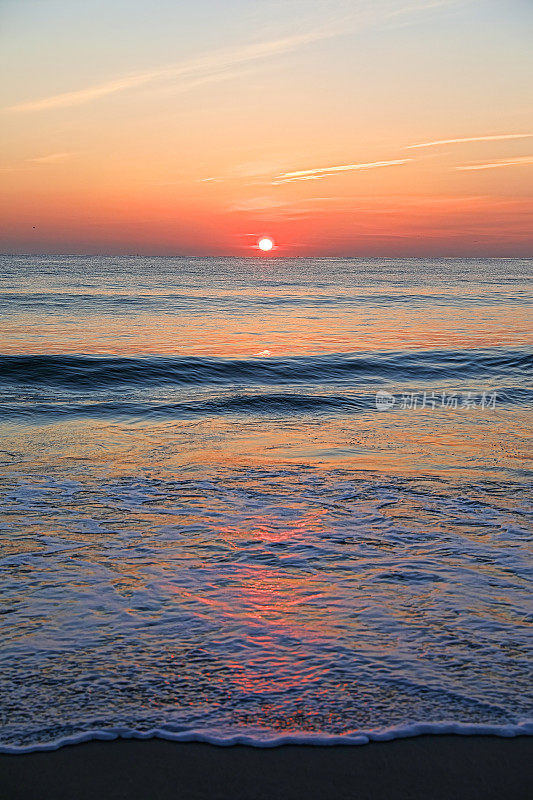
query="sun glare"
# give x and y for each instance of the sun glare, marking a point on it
(265, 244)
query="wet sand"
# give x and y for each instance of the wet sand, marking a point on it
(436, 767)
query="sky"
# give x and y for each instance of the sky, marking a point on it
(335, 127)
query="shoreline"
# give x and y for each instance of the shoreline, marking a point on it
(443, 767)
(357, 737)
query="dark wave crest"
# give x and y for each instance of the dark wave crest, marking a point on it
(100, 372)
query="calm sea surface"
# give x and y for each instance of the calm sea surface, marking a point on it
(211, 523)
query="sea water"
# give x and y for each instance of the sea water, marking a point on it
(263, 500)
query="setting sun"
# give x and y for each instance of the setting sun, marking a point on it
(265, 244)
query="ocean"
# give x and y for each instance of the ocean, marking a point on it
(264, 500)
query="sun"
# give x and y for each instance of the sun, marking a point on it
(265, 244)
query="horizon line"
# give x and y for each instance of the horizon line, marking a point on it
(264, 256)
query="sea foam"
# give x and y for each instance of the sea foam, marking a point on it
(323, 740)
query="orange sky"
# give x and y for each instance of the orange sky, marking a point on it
(349, 128)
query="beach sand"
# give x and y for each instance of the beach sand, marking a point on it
(429, 767)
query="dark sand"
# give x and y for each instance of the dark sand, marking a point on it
(429, 767)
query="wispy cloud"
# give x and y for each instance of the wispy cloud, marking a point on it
(506, 162)
(497, 137)
(28, 163)
(257, 204)
(207, 67)
(325, 172)
(53, 158)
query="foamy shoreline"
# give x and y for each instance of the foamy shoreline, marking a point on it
(524, 728)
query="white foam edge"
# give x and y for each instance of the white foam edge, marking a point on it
(524, 728)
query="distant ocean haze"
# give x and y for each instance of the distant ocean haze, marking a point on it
(242, 307)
